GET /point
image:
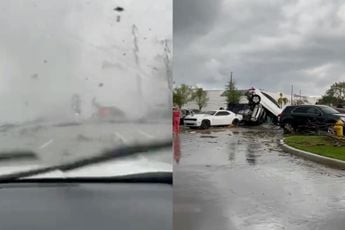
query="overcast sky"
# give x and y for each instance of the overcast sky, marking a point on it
(53, 49)
(268, 44)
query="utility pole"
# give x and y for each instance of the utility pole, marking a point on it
(231, 86)
(291, 94)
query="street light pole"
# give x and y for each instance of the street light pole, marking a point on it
(291, 94)
(231, 86)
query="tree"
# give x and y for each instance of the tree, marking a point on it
(200, 97)
(232, 94)
(335, 95)
(299, 102)
(282, 100)
(182, 95)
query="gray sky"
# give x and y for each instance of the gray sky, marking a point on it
(52, 49)
(268, 44)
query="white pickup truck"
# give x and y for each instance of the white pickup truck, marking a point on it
(262, 106)
(212, 118)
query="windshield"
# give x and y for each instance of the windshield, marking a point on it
(81, 77)
(209, 112)
(328, 110)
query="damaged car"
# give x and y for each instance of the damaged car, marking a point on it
(261, 107)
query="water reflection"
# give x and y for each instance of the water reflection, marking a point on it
(233, 149)
(251, 158)
(252, 148)
(177, 147)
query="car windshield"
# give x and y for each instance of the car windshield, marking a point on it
(328, 110)
(81, 77)
(209, 112)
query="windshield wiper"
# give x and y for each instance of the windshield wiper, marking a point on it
(121, 152)
(17, 155)
(147, 177)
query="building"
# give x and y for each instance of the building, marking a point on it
(217, 100)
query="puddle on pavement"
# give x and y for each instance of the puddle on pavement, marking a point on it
(266, 180)
(207, 136)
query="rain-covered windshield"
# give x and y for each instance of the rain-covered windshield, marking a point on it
(80, 77)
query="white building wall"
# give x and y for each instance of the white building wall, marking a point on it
(216, 100)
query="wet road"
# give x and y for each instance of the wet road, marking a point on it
(59, 143)
(239, 178)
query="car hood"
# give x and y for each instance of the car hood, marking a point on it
(340, 115)
(200, 115)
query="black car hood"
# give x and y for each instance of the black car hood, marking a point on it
(340, 115)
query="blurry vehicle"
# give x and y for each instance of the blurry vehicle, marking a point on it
(316, 117)
(261, 107)
(186, 112)
(107, 113)
(205, 120)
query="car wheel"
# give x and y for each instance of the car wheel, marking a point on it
(235, 122)
(288, 128)
(256, 99)
(205, 124)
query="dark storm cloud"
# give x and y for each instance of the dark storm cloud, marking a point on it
(195, 16)
(267, 44)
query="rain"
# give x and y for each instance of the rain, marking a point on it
(80, 77)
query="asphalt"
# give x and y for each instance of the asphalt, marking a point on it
(58, 143)
(240, 178)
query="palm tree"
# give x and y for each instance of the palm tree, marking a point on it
(282, 100)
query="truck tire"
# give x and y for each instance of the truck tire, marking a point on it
(256, 99)
(205, 124)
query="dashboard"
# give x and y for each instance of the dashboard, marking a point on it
(84, 206)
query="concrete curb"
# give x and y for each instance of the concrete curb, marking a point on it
(333, 163)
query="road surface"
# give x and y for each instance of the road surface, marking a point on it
(239, 178)
(63, 142)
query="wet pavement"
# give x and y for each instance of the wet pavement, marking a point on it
(239, 178)
(55, 144)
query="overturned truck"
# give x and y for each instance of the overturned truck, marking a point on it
(259, 109)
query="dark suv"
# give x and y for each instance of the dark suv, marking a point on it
(317, 117)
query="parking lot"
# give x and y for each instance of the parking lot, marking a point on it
(57, 143)
(239, 178)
